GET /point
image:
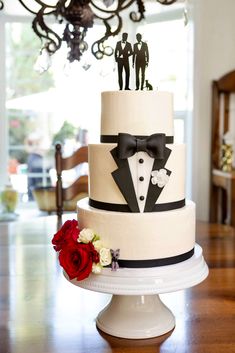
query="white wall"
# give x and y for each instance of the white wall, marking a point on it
(214, 55)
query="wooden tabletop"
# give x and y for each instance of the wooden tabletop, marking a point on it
(41, 312)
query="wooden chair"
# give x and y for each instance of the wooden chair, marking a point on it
(79, 186)
(222, 192)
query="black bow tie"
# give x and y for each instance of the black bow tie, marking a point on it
(128, 145)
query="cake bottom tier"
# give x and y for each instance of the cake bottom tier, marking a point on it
(144, 239)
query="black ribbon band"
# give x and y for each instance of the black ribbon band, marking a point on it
(125, 208)
(114, 138)
(156, 262)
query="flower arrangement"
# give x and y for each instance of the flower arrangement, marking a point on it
(80, 251)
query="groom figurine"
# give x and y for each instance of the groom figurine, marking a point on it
(140, 60)
(122, 52)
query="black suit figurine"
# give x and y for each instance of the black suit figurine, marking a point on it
(122, 52)
(140, 60)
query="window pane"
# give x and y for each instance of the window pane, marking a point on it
(179, 130)
(60, 105)
(167, 69)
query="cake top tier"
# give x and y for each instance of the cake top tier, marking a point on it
(140, 113)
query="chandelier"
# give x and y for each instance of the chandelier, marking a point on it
(77, 16)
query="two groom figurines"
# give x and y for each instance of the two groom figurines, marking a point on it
(140, 60)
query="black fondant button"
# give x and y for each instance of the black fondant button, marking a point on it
(141, 178)
(141, 198)
(141, 160)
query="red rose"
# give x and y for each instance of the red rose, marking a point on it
(69, 232)
(76, 259)
(94, 254)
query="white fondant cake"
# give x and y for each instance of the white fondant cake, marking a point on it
(137, 182)
(137, 113)
(104, 189)
(143, 236)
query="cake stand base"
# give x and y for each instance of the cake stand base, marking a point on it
(135, 317)
(135, 310)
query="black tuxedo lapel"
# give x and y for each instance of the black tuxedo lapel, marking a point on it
(142, 55)
(154, 191)
(123, 179)
(126, 50)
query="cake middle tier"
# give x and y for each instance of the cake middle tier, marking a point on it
(139, 183)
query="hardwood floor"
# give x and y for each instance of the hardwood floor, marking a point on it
(41, 312)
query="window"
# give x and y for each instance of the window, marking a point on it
(168, 68)
(39, 109)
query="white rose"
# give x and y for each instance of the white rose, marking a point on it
(86, 235)
(159, 177)
(97, 245)
(96, 268)
(105, 257)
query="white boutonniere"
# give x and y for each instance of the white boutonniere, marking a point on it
(159, 177)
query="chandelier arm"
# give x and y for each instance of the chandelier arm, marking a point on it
(128, 4)
(102, 49)
(166, 2)
(117, 9)
(60, 6)
(42, 4)
(43, 31)
(100, 52)
(137, 16)
(1, 5)
(78, 16)
(105, 18)
(109, 32)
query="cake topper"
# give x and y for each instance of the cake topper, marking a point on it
(122, 52)
(148, 86)
(140, 60)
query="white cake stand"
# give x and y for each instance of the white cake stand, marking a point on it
(136, 310)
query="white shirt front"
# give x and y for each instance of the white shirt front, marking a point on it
(123, 44)
(138, 170)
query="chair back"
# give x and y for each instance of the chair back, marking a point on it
(80, 185)
(222, 91)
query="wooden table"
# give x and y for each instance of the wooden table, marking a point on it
(41, 312)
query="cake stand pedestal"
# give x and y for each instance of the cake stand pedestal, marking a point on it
(136, 310)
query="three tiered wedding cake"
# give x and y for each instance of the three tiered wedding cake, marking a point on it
(137, 182)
